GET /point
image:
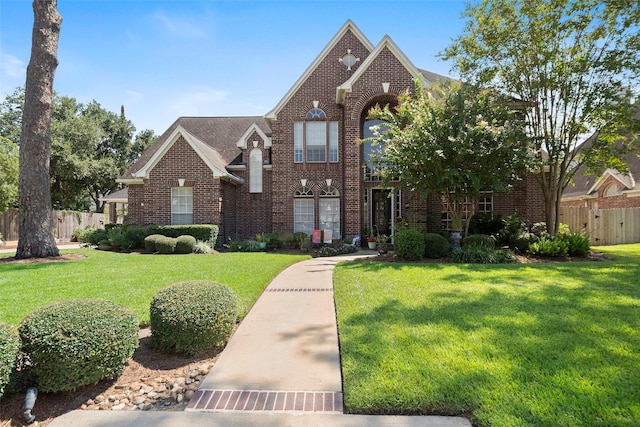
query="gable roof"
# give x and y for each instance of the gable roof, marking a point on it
(348, 26)
(588, 185)
(385, 43)
(213, 138)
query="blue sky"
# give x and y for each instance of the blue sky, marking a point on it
(165, 59)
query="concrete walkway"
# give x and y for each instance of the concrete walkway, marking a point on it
(280, 368)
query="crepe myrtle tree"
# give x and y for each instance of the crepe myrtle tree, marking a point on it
(450, 139)
(575, 63)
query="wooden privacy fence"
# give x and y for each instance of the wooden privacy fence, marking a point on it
(62, 222)
(604, 226)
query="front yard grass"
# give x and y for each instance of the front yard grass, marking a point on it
(131, 279)
(511, 345)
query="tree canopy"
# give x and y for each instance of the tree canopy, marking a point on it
(575, 63)
(90, 148)
(450, 139)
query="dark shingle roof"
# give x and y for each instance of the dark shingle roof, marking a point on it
(219, 133)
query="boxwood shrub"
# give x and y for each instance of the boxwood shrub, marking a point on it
(204, 232)
(165, 245)
(185, 244)
(409, 244)
(9, 347)
(191, 317)
(150, 242)
(78, 342)
(436, 245)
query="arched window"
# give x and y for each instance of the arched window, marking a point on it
(371, 128)
(329, 210)
(612, 190)
(303, 212)
(315, 140)
(255, 171)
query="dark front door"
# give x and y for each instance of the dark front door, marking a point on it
(382, 211)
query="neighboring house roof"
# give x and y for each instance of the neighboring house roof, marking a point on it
(120, 196)
(215, 140)
(588, 185)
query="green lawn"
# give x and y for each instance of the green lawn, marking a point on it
(539, 344)
(131, 280)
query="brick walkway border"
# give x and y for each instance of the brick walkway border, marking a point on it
(266, 401)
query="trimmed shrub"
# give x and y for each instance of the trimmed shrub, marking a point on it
(479, 254)
(91, 235)
(165, 245)
(78, 342)
(486, 223)
(578, 243)
(185, 244)
(150, 242)
(409, 244)
(436, 245)
(479, 240)
(190, 317)
(9, 347)
(204, 232)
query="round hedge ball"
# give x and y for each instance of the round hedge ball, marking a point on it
(191, 317)
(78, 342)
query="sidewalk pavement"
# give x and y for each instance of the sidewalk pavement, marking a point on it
(280, 368)
(10, 247)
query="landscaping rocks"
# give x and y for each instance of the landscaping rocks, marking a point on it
(152, 393)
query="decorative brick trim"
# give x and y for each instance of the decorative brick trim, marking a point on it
(266, 401)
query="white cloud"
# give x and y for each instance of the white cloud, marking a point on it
(203, 101)
(13, 73)
(178, 26)
(12, 66)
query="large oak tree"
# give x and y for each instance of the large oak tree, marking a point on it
(575, 63)
(35, 237)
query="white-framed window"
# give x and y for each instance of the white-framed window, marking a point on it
(329, 211)
(612, 190)
(485, 202)
(315, 140)
(181, 205)
(484, 205)
(255, 171)
(303, 212)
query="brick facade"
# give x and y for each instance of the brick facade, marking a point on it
(381, 74)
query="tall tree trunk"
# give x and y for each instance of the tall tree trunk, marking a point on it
(36, 237)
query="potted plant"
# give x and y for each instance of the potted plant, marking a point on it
(371, 241)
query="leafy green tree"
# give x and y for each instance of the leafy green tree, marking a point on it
(90, 148)
(8, 174)
(574, 63)
(450, 139)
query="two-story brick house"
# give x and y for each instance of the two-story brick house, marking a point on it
(301, 166)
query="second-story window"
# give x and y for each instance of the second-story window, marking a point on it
(316, 139)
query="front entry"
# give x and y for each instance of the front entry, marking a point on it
(381, 214)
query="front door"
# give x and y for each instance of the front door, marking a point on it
(381, 214)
